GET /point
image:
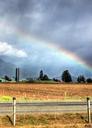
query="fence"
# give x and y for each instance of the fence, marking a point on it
(63, 107)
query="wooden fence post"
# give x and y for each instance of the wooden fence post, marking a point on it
(14, 111)
(88, 110)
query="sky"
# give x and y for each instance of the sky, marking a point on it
(52, 35)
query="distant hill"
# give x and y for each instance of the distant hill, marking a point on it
(7, 68)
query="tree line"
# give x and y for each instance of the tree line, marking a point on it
(66, 77)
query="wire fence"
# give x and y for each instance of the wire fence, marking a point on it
(46, 107)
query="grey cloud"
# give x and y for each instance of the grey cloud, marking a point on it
(68, 23)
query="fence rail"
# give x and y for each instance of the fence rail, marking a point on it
(46, 107)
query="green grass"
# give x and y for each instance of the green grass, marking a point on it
(5, 98)
(43, 82)
(29, 99)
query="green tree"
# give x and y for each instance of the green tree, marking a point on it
(89, 80)
(81, 79)
(66, 76)
(45, 77)
(7, 78)
(41, 75)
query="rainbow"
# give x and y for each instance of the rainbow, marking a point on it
(32, 39)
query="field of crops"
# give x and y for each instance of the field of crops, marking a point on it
(46, 91)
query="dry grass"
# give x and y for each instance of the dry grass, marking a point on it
(47, 121)
(46, 91)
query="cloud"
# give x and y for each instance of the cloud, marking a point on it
(67, 23)
(9, 50)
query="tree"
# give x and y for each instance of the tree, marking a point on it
(81, 79)
(7, 78)
(45, 77)
(89, 80)
(41, 75)
(66, 76)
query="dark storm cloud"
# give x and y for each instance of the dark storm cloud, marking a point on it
(9, 7)
(66, 22)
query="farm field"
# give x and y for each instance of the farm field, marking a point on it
(44, 92)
